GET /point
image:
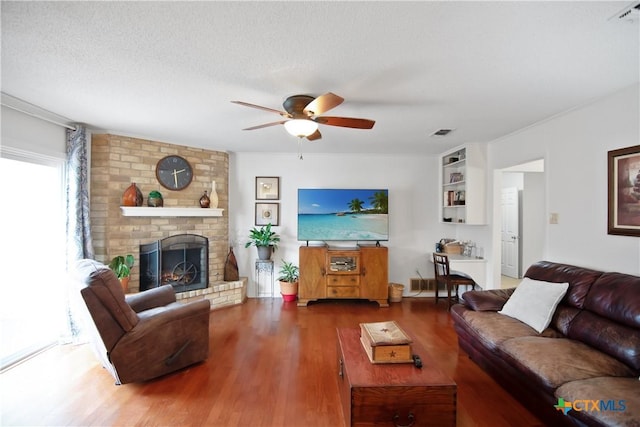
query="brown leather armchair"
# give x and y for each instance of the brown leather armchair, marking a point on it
(145, 335)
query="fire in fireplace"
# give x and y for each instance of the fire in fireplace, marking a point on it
(181, 261)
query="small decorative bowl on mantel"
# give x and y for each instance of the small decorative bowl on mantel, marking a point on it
(155, 199)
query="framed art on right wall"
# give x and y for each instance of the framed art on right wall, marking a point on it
(624, 191)
(267, 188)
(268, 213)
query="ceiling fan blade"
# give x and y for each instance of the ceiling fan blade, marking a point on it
(346, 122)
(314, 136)
(259, 107)
(322, 103)
(266, 125)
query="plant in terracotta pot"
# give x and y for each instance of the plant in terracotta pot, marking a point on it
(121, 266)
(264, 239)
(288, 277)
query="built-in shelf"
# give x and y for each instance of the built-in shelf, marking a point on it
(462, 174)
(169, 212)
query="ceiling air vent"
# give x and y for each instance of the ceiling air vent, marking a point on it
(630, 13)
(442, 132)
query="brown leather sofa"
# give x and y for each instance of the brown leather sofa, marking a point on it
(141, 336)
(588, 357)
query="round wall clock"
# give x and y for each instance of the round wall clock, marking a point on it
(174, 172)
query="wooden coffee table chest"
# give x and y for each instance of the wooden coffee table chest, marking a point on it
(392, 394)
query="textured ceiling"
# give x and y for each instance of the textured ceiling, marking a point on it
(168, 70)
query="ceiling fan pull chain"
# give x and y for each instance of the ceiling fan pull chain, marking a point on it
(300, 148)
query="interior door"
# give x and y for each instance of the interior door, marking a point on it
(510, 233)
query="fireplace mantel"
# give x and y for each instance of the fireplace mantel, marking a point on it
(169, 212)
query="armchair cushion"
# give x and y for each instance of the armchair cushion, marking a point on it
(152, 298)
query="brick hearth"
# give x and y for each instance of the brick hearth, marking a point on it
(219, 295)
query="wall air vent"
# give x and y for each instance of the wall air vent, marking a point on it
(631, 13)
(442, 132)
(421, 284)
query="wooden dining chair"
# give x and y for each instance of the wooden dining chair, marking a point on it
(450, 279)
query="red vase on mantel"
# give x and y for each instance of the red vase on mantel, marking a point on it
(132, 196)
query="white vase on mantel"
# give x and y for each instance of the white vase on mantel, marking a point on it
(213, 196)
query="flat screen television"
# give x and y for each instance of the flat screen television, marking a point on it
(343, 214)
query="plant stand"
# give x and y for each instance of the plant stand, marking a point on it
(264, 279)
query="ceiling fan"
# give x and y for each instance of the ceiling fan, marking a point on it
(303, 114)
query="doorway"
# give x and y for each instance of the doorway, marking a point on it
(521, 234)
(510, 232)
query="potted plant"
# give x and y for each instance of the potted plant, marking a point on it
(288, 277)
(121, 266)
(264, 239)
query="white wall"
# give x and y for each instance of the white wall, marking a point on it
(574, 147)
(513, 179)
(413, 213)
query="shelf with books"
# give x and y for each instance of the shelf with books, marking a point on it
(462, 175)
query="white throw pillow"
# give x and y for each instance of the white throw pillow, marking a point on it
(534, 302)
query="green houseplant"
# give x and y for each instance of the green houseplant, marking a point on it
(121, 266)
(288, 277)
(264, 239)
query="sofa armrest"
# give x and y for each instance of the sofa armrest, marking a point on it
(156, 297)
(487, 300)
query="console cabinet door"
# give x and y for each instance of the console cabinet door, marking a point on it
(312, 283)
(374, 280)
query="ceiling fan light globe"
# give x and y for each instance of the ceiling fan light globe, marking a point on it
(300, 127)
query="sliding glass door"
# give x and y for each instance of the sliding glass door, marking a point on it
(32, 255)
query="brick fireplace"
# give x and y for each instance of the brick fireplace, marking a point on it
(116, 162)
(181, 261)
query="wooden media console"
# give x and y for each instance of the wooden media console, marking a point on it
(357, 273)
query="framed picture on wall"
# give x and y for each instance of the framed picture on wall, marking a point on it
(624, 191)
(267, 213)
(267, 188)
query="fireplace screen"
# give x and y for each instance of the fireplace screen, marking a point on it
(181, 261)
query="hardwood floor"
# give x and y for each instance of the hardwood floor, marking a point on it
(509, 282)
(270, 364)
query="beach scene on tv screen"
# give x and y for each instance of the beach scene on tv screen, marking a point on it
(343, 214)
